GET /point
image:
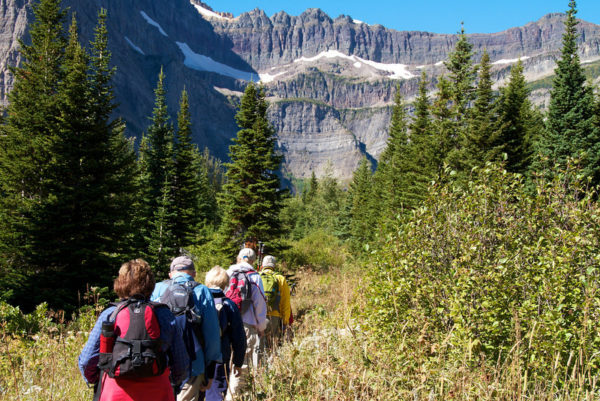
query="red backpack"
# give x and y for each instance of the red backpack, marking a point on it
(240, 289)
(133, 348)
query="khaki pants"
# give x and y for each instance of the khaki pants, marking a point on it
(191, 389)
(238, 384)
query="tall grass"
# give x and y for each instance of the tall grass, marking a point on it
(329, 358)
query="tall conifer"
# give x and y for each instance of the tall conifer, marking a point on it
(479, 139)
(361, 209)
(516, 123)
(160, 157)
(186, 192)
(570, 131)
(391, 176)
(462, 90)
(29, 131)
(251, 197)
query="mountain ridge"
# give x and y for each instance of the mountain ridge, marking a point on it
(331, 81)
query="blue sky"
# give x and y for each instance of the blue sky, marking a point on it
(440, 16)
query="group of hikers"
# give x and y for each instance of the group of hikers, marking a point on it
(182, 340)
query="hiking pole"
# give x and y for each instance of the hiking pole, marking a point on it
(261, 248)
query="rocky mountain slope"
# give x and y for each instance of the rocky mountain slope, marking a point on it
(330, 81)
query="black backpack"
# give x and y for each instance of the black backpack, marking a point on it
(135, 353)
(179, 298)
(224, 323)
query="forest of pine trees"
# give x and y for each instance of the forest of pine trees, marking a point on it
(79, 196)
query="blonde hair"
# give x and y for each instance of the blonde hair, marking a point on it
(217, 277)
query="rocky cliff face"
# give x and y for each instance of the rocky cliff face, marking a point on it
(331, 82)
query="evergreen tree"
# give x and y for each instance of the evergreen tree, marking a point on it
(516, 122)
(443, 139)
(160, 157)
(143, 212)
(391, 176)
(162, 244)
(158, 170)
(29, 132)
(115, 159)
(462, 89)
(308, 195)
(187, 190)
(421, 124)
(361, 210)
(421, 169)
(570, 131)
(479, 139)
(251, 197)
(462, 77)
(77, 226)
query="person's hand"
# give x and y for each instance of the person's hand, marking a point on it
(261, 333)
(206, 386)
(237, 371)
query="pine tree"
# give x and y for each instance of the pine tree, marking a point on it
(478, 142)
(251, 197)
(361, 210)
(462, 76)
(187, 191)
(570, 131)
(516, 122)
(160, 157)
(391, 176)
(162, 246)
(421, 168)
(462, 89)
(308, 195)
(443, 139)
(29, 131)
(157, 180)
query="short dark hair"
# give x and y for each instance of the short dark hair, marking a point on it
(135, 278)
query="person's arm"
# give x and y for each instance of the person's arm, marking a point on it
(88, 359)
(237, 334)
(259, 302)
(285, 307)
(172, 336)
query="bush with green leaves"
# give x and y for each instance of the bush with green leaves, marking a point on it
(14, 321)
(317, 250)
(495, 272)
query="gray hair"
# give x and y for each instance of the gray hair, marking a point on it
(247, 253)
(217, 278)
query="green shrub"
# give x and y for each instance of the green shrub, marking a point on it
(495, 273)
(13, 321)
(318, 250)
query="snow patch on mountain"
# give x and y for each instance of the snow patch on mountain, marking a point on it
(153, 23)
(399, 71)
(134, 47)
(509, 61)
(205, 12)
(200, 62)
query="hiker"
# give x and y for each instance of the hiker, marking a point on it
(246, 290)
(194, 307)
(233, 336)
(279, 308)
(117, 332)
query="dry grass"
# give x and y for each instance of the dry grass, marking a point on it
(329, 358)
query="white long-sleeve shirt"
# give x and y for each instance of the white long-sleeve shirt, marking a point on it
(256, 315)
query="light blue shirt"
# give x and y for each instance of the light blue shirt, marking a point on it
(205, 307)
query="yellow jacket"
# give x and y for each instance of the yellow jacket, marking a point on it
(285, 307)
